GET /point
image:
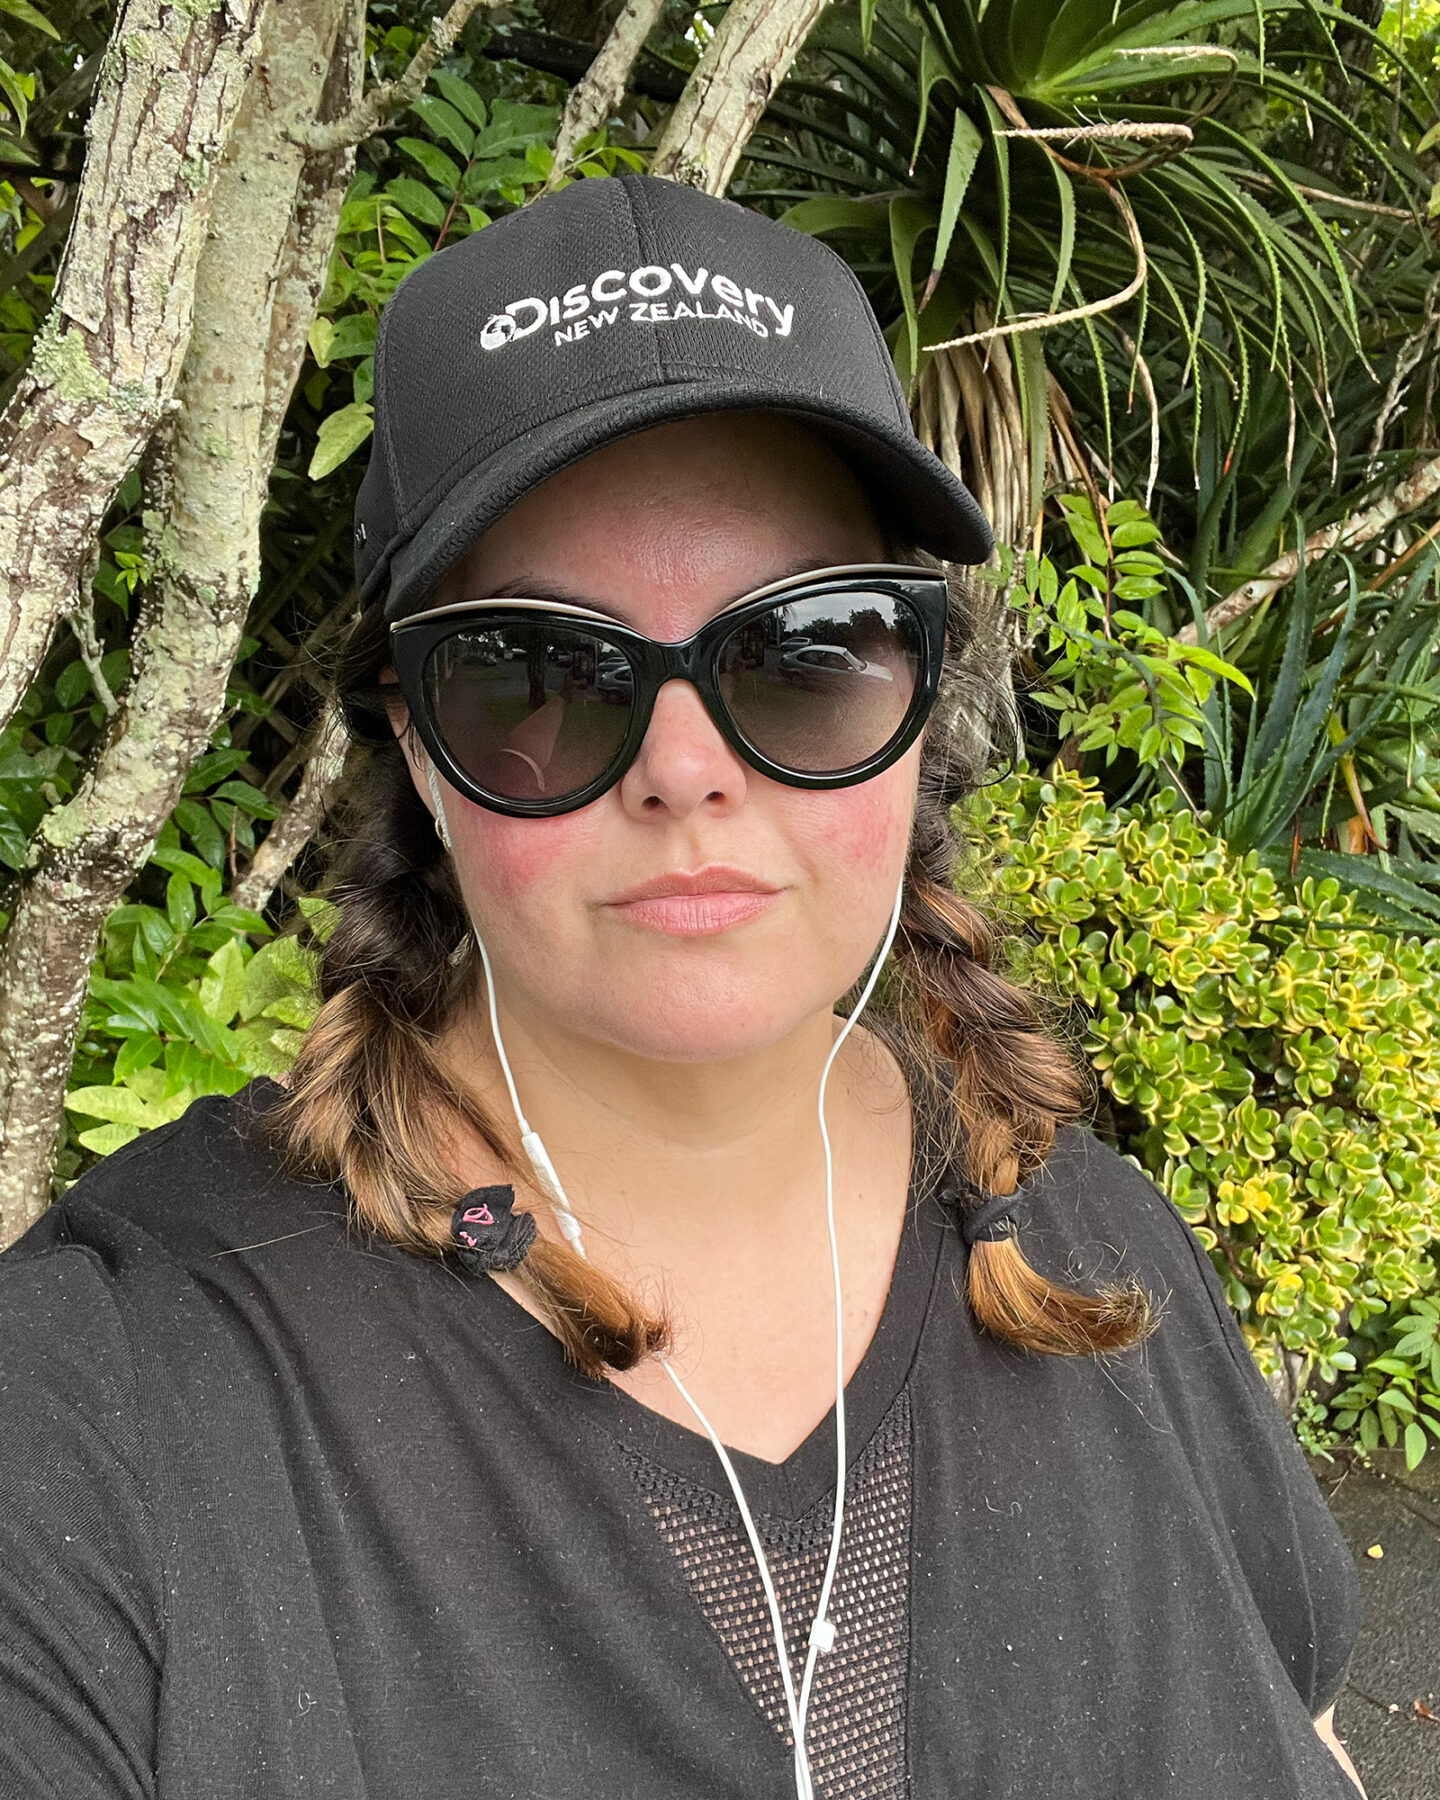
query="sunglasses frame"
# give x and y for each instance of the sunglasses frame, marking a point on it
(693, 659)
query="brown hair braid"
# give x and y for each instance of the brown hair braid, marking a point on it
(371, 1106)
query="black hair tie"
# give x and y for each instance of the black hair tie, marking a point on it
(488, 1233)
(990, 1222)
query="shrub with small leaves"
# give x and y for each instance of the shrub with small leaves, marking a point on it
(1267, 1057)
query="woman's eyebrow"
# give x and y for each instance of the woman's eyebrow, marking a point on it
(527, 587)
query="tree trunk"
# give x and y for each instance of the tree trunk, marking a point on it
(746, 60)
(107, 358)
(602, 87)
(256, 287)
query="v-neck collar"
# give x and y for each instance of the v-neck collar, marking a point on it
(788, 1489)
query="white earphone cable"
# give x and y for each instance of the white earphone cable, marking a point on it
(822, 1630)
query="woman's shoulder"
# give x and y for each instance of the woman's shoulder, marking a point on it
(1091, 1216)
(1085, 1189)
(183, 1193)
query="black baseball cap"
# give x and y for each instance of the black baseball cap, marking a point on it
(616, 304)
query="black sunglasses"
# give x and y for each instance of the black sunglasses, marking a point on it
(534, 708)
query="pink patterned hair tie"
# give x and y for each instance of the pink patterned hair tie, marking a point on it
(488, 1233)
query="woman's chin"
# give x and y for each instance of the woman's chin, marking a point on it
(697, 1033)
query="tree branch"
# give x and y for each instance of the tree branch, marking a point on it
(1420, 485)
(366, 117)
(652, 76)
(602, 88)
(289, 834)
(729, 88)
(105, 363)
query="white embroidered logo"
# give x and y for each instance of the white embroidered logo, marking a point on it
(649, 295)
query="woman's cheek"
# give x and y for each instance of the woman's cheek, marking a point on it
(505, 859)
(864, 830)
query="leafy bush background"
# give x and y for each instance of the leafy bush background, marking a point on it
(1269, 1058)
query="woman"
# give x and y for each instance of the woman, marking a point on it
(464, 1419)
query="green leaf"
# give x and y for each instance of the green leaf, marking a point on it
(198, 823)
(72, 684)
(102, 1139)
(340, 436)
(321, 334)
(13, 152)
(462, 97)
(1207, 659)
(910, 218)
(297, 1009)
(1000, 149)
(932, 69)
(206, 877)
(1415, 1446)
(257, 804)
(29, 15)
(155, 930)
(422, 203)
(966, 144)
(1125, 537)
(180, 904)
(136, 1053)
(280, 970)
(436, 164)
(223, 983)
(446, 123)
(118, 1105)
(1065, 250)
(832, 212)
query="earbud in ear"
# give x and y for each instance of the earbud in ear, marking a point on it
(433, 778)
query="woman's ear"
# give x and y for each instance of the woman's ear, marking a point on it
(417, 759)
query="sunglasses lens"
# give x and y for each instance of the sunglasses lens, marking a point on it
(530, 713)
(823, 684)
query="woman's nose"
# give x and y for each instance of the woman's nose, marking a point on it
(684, 764)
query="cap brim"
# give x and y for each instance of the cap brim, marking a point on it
(920, 497)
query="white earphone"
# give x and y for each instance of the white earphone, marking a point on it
(822, 1629)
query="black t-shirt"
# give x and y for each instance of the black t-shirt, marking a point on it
(285, 1511)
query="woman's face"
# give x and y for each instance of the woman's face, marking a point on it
(592, 920)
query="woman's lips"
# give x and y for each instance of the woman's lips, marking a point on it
(693, 915)
(693, 905)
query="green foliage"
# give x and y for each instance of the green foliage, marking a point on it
(181, 1004)
(1112, 681)
(915, 123)
(17, 86)
(1268, 1057)
(1313, 742)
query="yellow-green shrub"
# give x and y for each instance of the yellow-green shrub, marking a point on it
(1269, 1058)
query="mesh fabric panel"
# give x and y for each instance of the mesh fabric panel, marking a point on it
(855, 1729)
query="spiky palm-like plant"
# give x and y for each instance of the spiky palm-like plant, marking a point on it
(1048, 195)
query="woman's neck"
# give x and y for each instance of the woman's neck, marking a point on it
(664, 1162)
